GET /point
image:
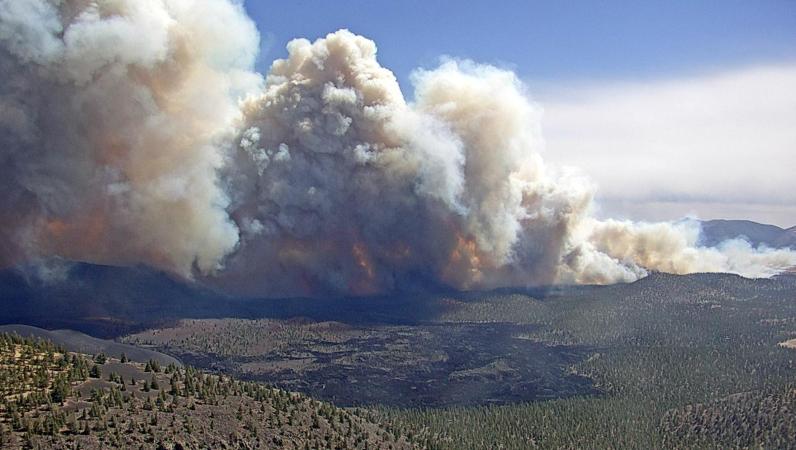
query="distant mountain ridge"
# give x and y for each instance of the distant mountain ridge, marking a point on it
(716, 231)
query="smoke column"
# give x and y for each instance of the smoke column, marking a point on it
(137, 132)
(113, 120)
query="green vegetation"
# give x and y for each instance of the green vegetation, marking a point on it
(764, 418)
(673, 362)
(49, 400)
(683, 362)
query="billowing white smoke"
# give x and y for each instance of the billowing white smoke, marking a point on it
(674, 248)
(113, 119)
(341, 185)
(123, 140)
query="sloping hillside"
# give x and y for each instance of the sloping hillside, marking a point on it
(75, 341)
(716, 231)
(50, 398)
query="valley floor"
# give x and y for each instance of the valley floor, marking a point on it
(667, 362)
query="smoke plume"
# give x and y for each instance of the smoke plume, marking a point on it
(137, 132)
(113, 120)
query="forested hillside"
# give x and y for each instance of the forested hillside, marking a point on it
(681, 362)
(50, 398)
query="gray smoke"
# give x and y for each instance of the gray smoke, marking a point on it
(137, 132)
(113, 120)
(342, 185)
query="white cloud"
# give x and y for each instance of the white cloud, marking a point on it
(714, 145)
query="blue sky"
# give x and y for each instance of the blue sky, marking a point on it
(547, 40)
(673, 108)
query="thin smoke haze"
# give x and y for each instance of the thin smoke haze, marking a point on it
(139, 132)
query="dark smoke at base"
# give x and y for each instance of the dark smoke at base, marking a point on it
(137, 132)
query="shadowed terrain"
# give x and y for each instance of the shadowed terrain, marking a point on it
(666, 361)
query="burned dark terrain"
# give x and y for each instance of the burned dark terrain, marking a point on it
(440, 364)
(388, 350)
(52, 398)
(242, 224)
(695, 361)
